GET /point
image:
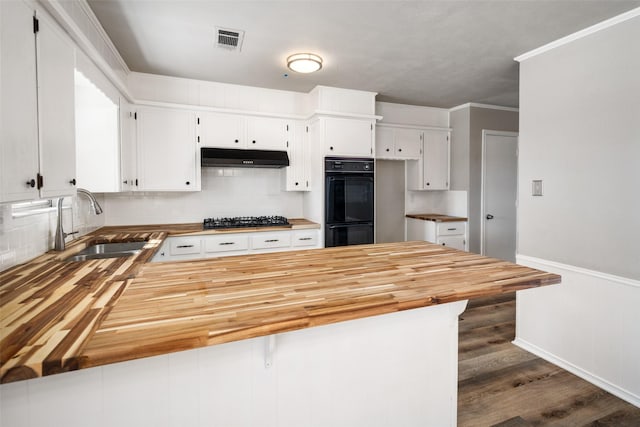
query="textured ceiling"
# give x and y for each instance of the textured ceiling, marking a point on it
(434, 53)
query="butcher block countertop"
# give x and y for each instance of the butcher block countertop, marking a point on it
(59, 316)
(436, 217)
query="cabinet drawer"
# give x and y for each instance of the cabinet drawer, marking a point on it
(270, 240)
(309, 238)
(450, 228)
(226, 243)
(184, 246)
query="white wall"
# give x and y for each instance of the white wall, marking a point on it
(199, 93)
(226, 192)
(580, 134)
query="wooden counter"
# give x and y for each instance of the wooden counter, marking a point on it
(436, 217)
(58, 316)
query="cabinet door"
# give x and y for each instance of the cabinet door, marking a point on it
(56, 107)
(436, 160)
(221, 130)
(407, 143)
(384, 143)
(18, 118)
(128, 154)
(265, 133)
(167, 152)
(296, 171)
(455, 242)
(348, 137)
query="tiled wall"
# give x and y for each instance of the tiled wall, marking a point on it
(225, 192)
(24, 238)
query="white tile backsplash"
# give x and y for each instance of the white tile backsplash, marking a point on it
(452, 203)
(24, 238)
(225, 192)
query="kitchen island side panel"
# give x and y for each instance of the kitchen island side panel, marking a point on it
(386, 370)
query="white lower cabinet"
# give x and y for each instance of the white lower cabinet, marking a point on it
(228, 243)
(451, 234)
(181, 248)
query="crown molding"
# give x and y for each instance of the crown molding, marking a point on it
(488, 106)
(580, 34)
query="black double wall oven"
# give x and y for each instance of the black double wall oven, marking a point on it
(349, 207)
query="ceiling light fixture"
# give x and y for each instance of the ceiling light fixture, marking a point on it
(304, 62)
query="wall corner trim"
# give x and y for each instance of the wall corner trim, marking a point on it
(580, 34)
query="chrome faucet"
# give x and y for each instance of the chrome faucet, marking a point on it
(59, 244)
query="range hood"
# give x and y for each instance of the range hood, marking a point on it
(229, 157)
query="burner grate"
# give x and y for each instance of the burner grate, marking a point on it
(245, 221)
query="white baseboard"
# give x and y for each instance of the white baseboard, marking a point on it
(593, 379)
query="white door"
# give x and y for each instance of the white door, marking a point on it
(499, 194)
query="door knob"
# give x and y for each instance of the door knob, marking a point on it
(489, 216)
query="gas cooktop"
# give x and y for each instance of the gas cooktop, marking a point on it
(245, 221)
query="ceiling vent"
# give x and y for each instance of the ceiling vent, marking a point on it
(229, 39)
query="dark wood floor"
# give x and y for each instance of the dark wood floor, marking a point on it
(502, 385)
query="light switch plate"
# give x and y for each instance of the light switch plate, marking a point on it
(536, 187)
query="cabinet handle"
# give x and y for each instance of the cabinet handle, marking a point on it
(387, 150)
(489, 216)
(271, 240)
(236, 141)
(399, 149)
(253, 142)
(428, 183)
(296, 183)
(125, 181)
(304, 238)
(73, 181)
(188, 183)
(184, 246)
(31, 183)
(331, 148)
(226, 243)
(452, 229)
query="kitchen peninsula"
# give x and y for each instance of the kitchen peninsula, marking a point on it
(359, 335)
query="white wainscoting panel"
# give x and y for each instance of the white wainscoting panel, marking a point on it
(589, 325)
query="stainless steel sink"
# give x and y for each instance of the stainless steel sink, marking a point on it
(108, 250)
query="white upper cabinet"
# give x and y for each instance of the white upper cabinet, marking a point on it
(38, 131)
(431, 172)
(348, 137)
(168, 154)
(18, 104)
(267, 133)
(398, 143)
(407, 143)
(221, 130)
(128, 147)
(56, 106)
(298, 172)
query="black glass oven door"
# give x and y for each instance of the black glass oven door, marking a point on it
(349, 199)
